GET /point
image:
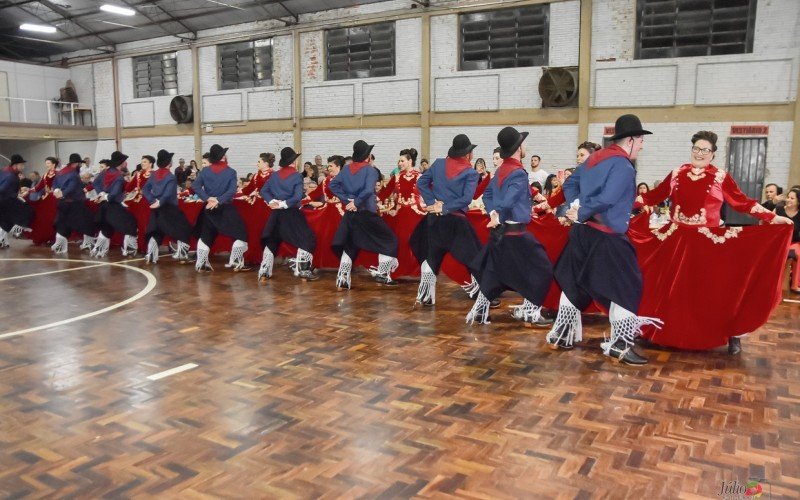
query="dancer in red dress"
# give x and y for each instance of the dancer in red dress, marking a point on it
(406, 210)
(325, 216)
(44, 205)
(697, 191)
(265, 163)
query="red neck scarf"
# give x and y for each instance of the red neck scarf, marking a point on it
(68, 169)
(604, 154)
(110, 176)
(285, 172)
(357, 165)
(454, 166)
(10, 168)
(218, 166)
(504, 170)
(161, 173)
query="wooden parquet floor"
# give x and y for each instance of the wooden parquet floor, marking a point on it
(303, 392)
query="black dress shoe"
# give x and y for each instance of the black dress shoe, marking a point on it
(427, 302)
(624, 354)
(562, 343)
(734, 345)
(494, 303)
(385, 280)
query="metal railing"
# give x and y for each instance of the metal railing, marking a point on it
(41, 111)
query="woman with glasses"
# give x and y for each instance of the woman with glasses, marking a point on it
(738, 281)
(791, 209)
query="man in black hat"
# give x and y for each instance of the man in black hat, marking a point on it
(161, 192)
(361, 227)
(512, 259)
(216, 186)
(599, 263)
(113, 216)
(447, 188)
(15, 214)
(72, 214)
(283, 192)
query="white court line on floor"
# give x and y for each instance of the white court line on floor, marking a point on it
(53, 272)
(151, 283)
(172, 371)
(792, 301)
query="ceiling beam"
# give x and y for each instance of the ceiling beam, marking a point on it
(214, 12)
(295, 16)
(193, 33)
(79, 39)
(66, 15)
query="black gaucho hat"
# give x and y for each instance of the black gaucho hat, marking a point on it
(164, 158)
(117, 159)
(16, 160)
(288, 156)
(216, 153)
(361, 150)
(510, 140)
(75, 158)
(462, 146)
(628, 126)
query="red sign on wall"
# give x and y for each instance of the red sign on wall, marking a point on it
(749, 129)
(608, 131)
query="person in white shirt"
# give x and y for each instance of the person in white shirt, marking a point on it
(537, 173)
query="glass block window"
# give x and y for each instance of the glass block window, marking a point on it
(685, 28)
(155, 75)
(243, 65)
(507, 38)
(360, 51)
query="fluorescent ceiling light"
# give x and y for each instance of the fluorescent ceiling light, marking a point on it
(119, 24)
(226, 5)
(38, 27)
(117, 10)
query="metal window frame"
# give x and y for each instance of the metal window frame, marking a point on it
(350, 76)
(749, 37)
(252, 47)
(733, 217)
(149, 57)
(545, 47)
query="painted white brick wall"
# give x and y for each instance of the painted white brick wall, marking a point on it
(555, 144)
(670, 144)
(565, 25)
(519, 87)
(34, 153)
(636, 87)
(329, 100)
(95, 150)
(730, 79)
(398, 94)
(135, 148)
(262, 103)
(83, 78)
(244, 148)
(150, 111)
(103, 94)
(388, 144)
(138, 114)
(458, 93)
(33, 82)
(739, 82)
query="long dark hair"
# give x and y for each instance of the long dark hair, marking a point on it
(411, 154)
(548, 185)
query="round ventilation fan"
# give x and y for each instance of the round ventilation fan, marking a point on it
(558, 87)
(180, 109)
